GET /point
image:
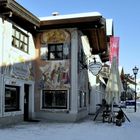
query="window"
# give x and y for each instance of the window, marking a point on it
(55, 51)
(54, 99)
(82, 99)
(20, 40)
(12, 95)
(82, 60)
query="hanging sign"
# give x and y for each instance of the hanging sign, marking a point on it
(95, 67)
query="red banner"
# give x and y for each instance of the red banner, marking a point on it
(114, 48)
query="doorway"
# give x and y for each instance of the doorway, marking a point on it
(26, 102)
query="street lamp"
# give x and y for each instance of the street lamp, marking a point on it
(135, 71)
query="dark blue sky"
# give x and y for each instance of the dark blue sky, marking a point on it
(125, 14)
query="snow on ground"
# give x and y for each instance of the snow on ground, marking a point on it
(83, 130)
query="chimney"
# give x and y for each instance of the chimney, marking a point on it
(55, 13)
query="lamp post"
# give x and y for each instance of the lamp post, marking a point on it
(135, 71)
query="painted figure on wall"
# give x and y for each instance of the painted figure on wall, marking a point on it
(54, 52)
(56, 74)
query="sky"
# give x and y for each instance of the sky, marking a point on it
(86, 129)
(125, 15)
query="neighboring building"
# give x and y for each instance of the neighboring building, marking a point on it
(17, 55)
(64, 48)
(44, 64)
(138, 88)
(128, 82)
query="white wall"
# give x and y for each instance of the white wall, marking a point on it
(1, 42)
(10, 55)
(74, 76)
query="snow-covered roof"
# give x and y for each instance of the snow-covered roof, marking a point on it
(109, 27)
(70, 16)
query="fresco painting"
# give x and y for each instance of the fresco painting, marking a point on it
(17, 67)
(55, 75)
(55, 36)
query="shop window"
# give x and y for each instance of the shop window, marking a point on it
(12, 96)
(54, 99)
(20, 40)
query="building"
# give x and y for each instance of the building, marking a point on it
(16, 62)
(44, 63)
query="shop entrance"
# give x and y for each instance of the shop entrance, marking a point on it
(26, 102)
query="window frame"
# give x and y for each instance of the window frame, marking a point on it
(55, 51)
(20, 39)
(9, 107)
(54, 104)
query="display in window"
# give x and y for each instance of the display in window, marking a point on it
(54, 99)
(12, 98)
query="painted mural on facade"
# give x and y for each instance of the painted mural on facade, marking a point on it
(55, 36)
(18, 67)
(55, 75)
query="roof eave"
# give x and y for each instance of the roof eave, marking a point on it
(19, 14)
(94, 27)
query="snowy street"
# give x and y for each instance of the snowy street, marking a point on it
(84, 130)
